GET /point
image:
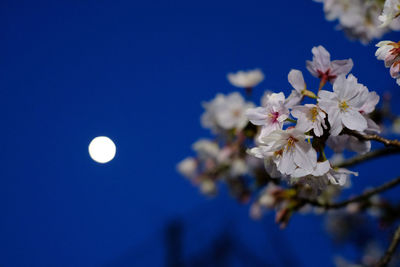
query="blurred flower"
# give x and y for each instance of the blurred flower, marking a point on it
(391, 10)
(188, 167)
(226, 112)
(246, 79)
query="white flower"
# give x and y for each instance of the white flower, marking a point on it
(309, 117)
(272, 116)
(320, 169)
(238, 168)
(325, 69)
(206, 149)
(188, 167)
(208, 118)
(296, 79)
(388, 51)
(359, 19)
(226, 112)
(339, 176)
(343, 104)
(295, 151)
(270, 159)
(391, 10)
(341, 142)
(246, 79)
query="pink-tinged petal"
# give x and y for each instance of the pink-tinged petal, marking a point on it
(335, 121)
(322, 168)
(312, 68)
(269, 128)
(257, 116)
(353, 120)
(395, 70)
(358, 146)
(372, 127)
(303, 125)
(341, 67)
(296, 79)
(305, 156)
(326, 95)
(322, 58)
(286, 164)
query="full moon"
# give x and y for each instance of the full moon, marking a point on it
(102, 149)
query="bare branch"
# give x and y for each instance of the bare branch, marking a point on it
(368, 156)
(375, 137)
(384, 261)
(364, 196)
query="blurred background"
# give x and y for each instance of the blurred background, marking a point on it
(137, 71)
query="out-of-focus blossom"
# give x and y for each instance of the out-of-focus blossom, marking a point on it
(226, 112)
(341, 142)
(391, 10)
(322, 67)
(246, 79)
(206, 149)
(188, 167)
(310, 117)
(360, 19)
(343, 105)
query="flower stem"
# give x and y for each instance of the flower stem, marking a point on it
(291, 120)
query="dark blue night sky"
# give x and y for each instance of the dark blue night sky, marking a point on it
(137, 71)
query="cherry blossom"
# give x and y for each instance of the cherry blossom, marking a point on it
(246, 79)
(325, 69)
(296, 152)
(310, 117)
(391, 10)
(272, 116)
(343, 105)
(226, 112)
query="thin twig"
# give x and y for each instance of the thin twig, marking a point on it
(384, 261)
(364, 196)
(375, 137)
(368, 156)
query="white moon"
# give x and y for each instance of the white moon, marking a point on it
(102, 149)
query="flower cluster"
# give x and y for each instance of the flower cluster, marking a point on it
(284, 139)
(363, 20)
(389, 52)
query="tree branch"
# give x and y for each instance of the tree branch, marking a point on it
(364, 196)
(384, 261)
(375, 137)
(368, 156)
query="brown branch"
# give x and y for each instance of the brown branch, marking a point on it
(368, 156)
(364, 196)
(384, 261)
(374, 137)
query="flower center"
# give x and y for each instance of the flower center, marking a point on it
(236, 113)
(291, 142)
(314, 114)
(343, 106)
(274, 116)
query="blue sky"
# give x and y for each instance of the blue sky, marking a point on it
(137, 71)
